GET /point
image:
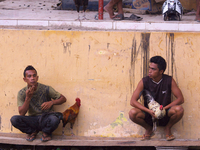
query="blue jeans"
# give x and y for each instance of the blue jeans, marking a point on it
(30, 124)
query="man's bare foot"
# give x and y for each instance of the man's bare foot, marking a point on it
(31, 137)
(169, 135)
(148, 134)
(167, 131)
(46, 137)
(109, 10)
(149, 131)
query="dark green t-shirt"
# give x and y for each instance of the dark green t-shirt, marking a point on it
(42, 94)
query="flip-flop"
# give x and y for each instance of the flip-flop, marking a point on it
(170, 137)
(147, 137)
(118, 17)
(46, 138)
(31, 136)
(133, 17)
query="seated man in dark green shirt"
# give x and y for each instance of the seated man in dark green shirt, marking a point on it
(36, 99)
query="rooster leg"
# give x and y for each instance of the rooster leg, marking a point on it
(78, 19)
(63, 131)
(84, 9)
(84, 18)
(154, 124)
(71, 127)
(72, 133)
(77, 7)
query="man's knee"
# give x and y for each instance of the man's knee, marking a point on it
(54, 121)
(51, 124)
(14, 120)
(178, 110)
(133, 113)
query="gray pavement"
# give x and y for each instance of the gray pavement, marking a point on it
(37, 13)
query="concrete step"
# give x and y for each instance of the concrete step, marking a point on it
(33, 13)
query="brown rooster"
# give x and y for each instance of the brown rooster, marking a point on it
(69, 115)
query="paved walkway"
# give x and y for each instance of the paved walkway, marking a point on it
(17, 13)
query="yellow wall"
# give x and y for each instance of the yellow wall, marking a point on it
(103, 69)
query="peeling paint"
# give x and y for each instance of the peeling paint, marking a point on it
(66, 47)
(120, 127)
(119, 120)
(145, 49)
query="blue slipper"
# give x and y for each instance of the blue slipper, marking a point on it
(31, 137)
(46, 137)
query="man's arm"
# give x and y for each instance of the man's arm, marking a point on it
(134, 99)
(177, 93)
(24, 108)
(59, 101)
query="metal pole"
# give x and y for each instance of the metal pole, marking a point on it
(100, 10)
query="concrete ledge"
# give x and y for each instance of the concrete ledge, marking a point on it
(19, 139)
(106, 25)
(16, 13)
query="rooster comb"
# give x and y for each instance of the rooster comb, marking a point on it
(78, 99)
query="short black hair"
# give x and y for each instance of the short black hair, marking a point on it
(29, 68)
(160, 62)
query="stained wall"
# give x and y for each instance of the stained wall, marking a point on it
(102, 68)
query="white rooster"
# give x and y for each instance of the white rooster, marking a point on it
(155, 106)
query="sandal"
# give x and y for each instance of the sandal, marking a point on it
(31, 136)
(133, 17)
(46, 137)
(118, 17)
(170, 137)
(147, 137)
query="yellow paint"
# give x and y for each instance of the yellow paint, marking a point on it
(97, 67)
(119, 120)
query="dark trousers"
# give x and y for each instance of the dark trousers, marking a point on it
(30, 124)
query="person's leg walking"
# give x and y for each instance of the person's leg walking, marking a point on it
(109, 7)
(120, 7)
(198, 10)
